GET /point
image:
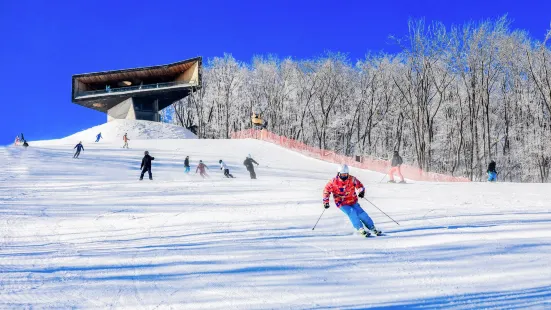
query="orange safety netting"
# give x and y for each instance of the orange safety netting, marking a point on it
(373, 164)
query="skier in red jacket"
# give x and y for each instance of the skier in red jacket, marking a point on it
(201, 168)
(343, 187)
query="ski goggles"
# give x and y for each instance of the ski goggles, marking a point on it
(343, 176)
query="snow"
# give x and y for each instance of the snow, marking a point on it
(136, 130)
(86, 233)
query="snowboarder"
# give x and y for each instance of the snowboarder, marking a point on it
(125, 139)
(225, 168)
(186, 165)
(249, 165)
(492, 173)
(201, 168)
(79, 148)
(343, 187)
(98, 137)
(146, 165)
(396, 163)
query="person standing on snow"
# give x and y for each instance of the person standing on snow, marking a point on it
(125, 139)
(249, 165)
(396, 163)
(225, 168)
(186, 164)
(201, 168)
(16, 140)
(146, 165)
(79, 148)
(492, 173)
(343, 187)
(98, 137)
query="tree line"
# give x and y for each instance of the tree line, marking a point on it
(450, 101)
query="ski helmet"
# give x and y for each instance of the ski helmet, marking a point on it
(220, 161)
(343, 169)
(146, 153)
(249, 156)
(200, 161)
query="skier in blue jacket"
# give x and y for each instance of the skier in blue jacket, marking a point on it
(79, 148)
(98, 137)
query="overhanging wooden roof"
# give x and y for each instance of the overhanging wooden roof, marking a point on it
(139, 73)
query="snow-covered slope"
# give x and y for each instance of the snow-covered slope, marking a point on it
(86, 233)
(136, 130)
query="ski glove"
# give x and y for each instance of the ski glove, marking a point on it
(326, 205)
(361, 194)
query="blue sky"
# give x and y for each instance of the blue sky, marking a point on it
(43, 43)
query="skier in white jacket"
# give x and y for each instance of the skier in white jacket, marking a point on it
(225, 169)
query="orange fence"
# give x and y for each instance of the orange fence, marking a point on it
(373, 164)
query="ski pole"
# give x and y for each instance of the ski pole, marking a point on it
(381, 211)
(384, 176)
(319, 219)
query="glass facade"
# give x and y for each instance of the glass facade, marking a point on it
(132, 88)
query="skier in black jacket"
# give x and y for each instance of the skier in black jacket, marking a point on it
(249, 165)
(79, 148)
(492, 173)
(396, 163)
(146, 165)
(186, 164)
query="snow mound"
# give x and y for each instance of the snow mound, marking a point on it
(136, 130)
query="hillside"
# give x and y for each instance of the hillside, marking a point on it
(86, 233)
(136, 130)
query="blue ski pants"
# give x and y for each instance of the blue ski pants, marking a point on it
(358, 216)
(492, 176)
(187, 169)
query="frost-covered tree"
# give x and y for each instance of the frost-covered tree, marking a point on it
(452, 100)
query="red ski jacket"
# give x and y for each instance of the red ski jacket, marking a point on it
(344, 192)
(201, 168)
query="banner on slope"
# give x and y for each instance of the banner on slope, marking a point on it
(373, 164)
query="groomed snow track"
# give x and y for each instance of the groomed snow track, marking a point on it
(86, 233)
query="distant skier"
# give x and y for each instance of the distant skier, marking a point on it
(225, 168)
(201, 168)
(396, 163)
(186, 165)
(125, 139)
(16, 140)
(98, 137)
(492, 173)
(79, 148)
(249, 165)
(343, 187)
(146, 165)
